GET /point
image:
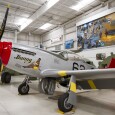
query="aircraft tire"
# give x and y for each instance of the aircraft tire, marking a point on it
(5, 77)
(23, 89)
(40, 87)
(62, 103)
(51, 87)
(47, 86)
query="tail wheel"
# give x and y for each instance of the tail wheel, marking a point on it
(63, 105)
(23, 89)
(47, 86)
(5, 77)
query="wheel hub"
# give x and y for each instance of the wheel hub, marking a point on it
(24, 89)
(66, 104)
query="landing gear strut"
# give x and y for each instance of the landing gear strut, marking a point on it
(5, 77)
(47, 86)
(23, 88)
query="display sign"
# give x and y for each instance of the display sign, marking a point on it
(97, 33)
(69, 44)
(58, 39)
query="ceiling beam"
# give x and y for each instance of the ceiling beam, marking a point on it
(11, 25)
(11, 15)
(31, 2)
(49, 4)
(18, 6)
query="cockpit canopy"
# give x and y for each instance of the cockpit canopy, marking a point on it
(67, 55)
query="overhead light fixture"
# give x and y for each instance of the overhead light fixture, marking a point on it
(45, 26)
(51, 2)
(81, 4)
(21, 21)
(25, 23)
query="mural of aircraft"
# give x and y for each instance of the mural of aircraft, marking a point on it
(50, 67)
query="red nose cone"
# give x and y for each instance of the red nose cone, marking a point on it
(5, 51)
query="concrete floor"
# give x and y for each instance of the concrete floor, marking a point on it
(99, 102)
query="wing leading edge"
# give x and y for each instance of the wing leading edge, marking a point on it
(81, 74)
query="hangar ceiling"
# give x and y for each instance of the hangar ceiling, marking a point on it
(29, 15)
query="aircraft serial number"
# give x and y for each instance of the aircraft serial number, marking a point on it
(78, 67)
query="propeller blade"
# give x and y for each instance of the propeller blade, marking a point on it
(4, 23)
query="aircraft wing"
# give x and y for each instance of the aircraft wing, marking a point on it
(82, 74)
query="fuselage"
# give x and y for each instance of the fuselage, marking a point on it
(32, 61)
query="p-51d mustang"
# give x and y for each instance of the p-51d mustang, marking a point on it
(49, 66)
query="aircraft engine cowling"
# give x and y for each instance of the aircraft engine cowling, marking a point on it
(5, 51)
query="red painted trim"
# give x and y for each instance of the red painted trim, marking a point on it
(6, 51)
(1, 48)
(112, 63)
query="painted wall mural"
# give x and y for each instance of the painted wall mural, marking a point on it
(97, 33)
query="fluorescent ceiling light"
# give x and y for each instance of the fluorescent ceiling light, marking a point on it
(51, 2)
(81, 4)
(21, 21)
(45, 26)
(27, 22)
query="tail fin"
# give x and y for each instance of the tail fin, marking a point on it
(4, 23)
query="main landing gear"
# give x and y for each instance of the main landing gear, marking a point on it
(68, 100)
(47, 86)
(23, 88)
(63, 104)
(5, 77)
